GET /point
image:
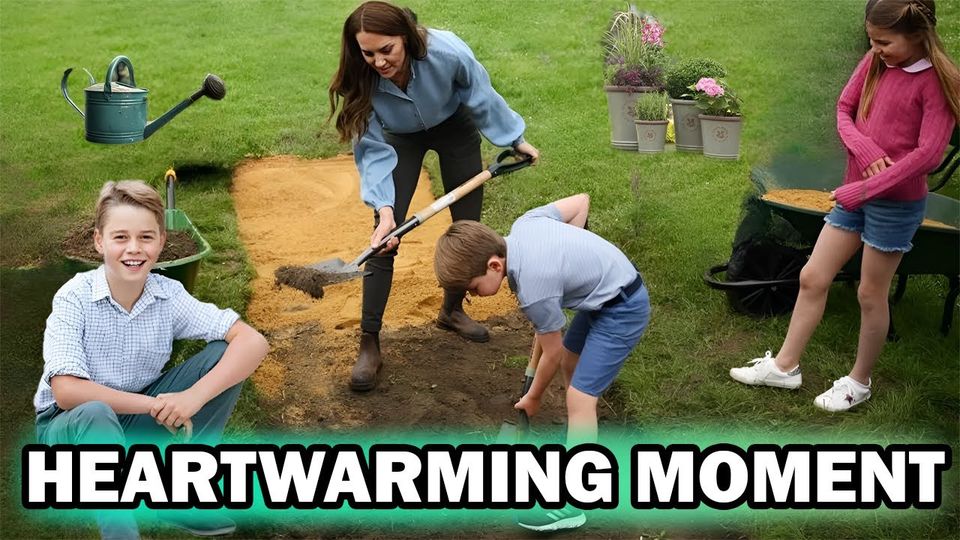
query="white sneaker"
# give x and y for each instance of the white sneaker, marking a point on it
(845, 394)
(764, 372)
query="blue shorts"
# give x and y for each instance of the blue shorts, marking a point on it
(604, 339)
(883, 225)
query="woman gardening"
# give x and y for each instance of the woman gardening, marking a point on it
(401, 90)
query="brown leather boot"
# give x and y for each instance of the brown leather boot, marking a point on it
(461, 323)
(453, 318)
(365, 371)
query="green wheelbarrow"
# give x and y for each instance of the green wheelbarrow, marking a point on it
(762, 277)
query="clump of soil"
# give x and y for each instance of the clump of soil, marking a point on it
(306, 279)
(79, 245)
(812, 199)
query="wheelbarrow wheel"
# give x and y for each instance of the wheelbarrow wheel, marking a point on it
(764, 261)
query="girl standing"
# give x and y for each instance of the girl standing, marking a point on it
(401, 90)
(895, 117)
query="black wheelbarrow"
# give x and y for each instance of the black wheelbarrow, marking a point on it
(774, 240)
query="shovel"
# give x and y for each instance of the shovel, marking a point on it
(511, 432)
(336, 270)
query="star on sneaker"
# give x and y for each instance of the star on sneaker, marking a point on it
(764, 372)
(541, 519)
(844, 395)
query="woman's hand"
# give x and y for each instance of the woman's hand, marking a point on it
(528, 149)
(877, 167)
(386, 225)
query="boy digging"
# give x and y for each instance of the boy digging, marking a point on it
(551, 262)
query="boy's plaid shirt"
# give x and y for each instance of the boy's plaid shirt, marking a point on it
(89, 335)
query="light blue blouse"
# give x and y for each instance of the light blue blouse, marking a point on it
(447, 77)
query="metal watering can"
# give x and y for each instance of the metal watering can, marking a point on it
(116, 110)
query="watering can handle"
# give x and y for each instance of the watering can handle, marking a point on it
(63, 89)
(113, 68)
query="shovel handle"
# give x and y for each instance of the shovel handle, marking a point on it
(523, 421)
(498, 168)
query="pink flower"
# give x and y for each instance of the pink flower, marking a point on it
(704, 83)
(713, 90)
(652, 33)
(709, 87)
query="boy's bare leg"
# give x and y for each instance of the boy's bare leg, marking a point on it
(568, 364)
(875, 277)
(581, 417)
(833, 249)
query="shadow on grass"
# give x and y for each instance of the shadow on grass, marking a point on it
(26, 303)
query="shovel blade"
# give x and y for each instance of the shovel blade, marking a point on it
(508, 433)
(337, 271)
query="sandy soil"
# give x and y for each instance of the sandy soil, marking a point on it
(295, 211)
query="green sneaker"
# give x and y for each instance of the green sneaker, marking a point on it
(541, 519)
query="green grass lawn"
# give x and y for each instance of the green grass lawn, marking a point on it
(674, 214)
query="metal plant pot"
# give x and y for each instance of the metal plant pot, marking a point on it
(721, 136)
(686, 125)
(620, 106)
(651, 135)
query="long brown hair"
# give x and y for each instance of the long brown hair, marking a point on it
(355, 79)
(911, 18)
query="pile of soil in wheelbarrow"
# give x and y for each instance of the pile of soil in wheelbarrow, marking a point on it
(79, 245)
(812, 199)
(295, 212)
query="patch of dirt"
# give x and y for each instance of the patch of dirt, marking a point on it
(812, 199)
(79, 245)
(293, 211)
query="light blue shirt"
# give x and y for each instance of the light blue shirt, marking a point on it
(553, 265)
(447, 77)
(89, 335)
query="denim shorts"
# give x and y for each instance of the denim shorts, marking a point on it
(883, 225)
(604, 339)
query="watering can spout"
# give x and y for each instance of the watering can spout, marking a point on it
(212, 88)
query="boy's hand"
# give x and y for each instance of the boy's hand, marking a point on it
(176, 409)
(528, 403)
(186, 429)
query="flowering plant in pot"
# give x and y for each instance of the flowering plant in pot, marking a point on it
(634, 61)
(680, 77)
(720, 118)
(650, 119)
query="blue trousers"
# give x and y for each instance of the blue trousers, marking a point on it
(94, 422)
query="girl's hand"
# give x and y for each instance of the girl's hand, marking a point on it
(528, 149)
(386, 225)
(528, 403)
(877, 167)
(833, 195)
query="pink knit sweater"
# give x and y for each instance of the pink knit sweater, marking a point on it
(910, 121)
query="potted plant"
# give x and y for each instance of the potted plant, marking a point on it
(634, 62)
(680, 77)
(720, 118)
(650, 119)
